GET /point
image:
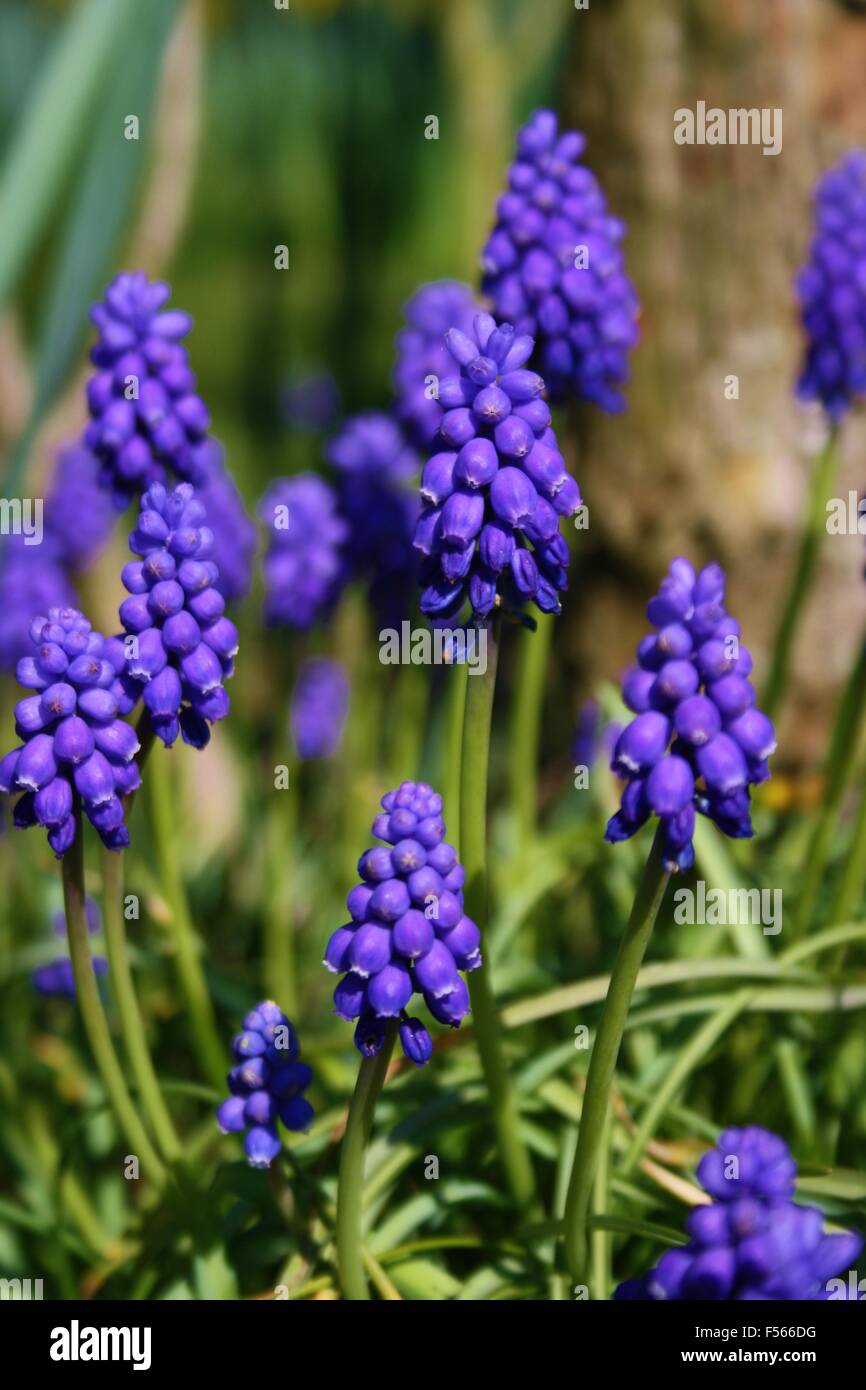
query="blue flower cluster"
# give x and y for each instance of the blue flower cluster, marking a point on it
(831, 289)
(72, 739)
(145, 413)
(751, 1241)
(421, 357)
(320, 702)
(554, 267)
(408, 930)
(495, 491)
(184, 644)
(303, 565)
(698, 741)
(267, 1083)
(55, 979)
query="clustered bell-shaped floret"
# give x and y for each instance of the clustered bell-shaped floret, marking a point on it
(304, 568)
(751, 1241)
(145, 414)
(554, 267)
(831, 288)
(498, 485)
(408, 931)
(72, 739)
(698, 741)
(422, 360)
(184, 644)
(267, 1083)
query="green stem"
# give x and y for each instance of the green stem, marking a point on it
(350, 1185)
(604, 1057)
(280, 974)
(129, 1012)
(93, 1014)
(186, 944)
(824, 473)
(843, 745)
(533, 649)
(458, 679)
(473, 846)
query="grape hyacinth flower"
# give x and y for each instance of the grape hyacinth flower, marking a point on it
(184, 644)
(72, 739)
(233, 531)
(422, 359)
(55, 979)
(831, 289)
(498, 485)
(267, 1083)
(553, 266)
(303, 567)
(408, 932)
(145, 414)
(752, 1241)
(32, 580)
(79, 515)
(698, 741)
(377, 494)
(320, 702)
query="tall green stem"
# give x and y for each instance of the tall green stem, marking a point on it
(473, 847)
(824, 475)
(458, 678)
(129, 1012)
(93, 1015)
(604, 1058)
(850, 889)
(280, 972)
(186, 944)
(533, 649)
(350, 1185)
(843, 745)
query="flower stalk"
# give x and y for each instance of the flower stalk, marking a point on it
(350, 1185)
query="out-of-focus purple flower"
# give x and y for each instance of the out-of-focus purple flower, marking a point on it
(311, 403)
(72, 740)
(320, 702)
(145, 414)
(592, 735)
(55, 979)
(697, 742)
(267, 1083)
(831, 289)
(409, 932)
(553, 266)
(422, 359)
(234, 532)
(377, 471)
(497, 486)
(78, 513)
(32, 580)
(303, 566)
(185, 646)
(752, 1241)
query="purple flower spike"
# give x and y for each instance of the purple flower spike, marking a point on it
(752, 1241)
(303, 567)
(72, 741)
(320, 703)
(554, 268)
(267, 1082)
(408, 932)
(690, 685)
(831, 289)
(495, 485)
(145, 415)
(422, 360)
(184, 647)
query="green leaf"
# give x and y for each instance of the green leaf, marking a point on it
(424, 1280)
(38, 161)
(847, 1184)
(213, 1275)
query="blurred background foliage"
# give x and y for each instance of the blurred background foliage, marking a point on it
(305, 128)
